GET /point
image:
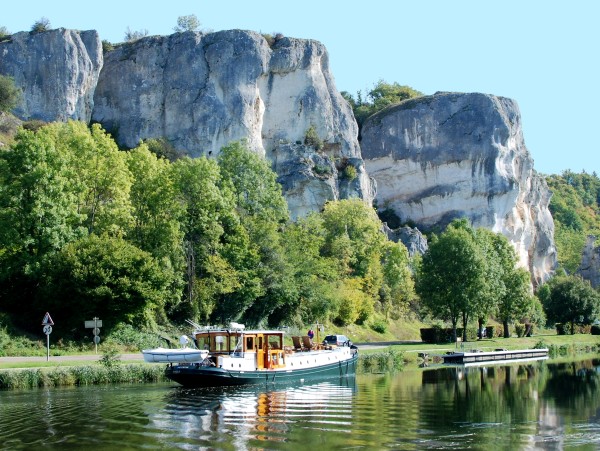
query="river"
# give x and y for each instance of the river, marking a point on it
(539, 405)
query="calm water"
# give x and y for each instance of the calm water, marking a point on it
(535, 406)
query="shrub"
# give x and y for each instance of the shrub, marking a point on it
(349, 172)
(595, 330)
(311, 138)
(9, 93)
(490, 331)
(131, 35)
(4, 34)
(40, 25)
(379, 326)
(107, 46)
(110, 358)
(563, 329)
(520, 329)
(34, 125)
(322, 169)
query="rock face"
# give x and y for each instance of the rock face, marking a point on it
(57, 71)
(203, 91)
(450, 155)
(590, 262)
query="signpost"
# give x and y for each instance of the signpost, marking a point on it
(95, 324)
(47, 323)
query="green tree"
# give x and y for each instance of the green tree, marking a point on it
(397, 290)
(131, 35)
(381, 96)
(213, 235)
(187, 23)
(157, 226)
(266, 285)
(99, 170)
(451, 276)
(9, 94)
(41, 25)
(254, 183)
(569, 299)
(105, 277)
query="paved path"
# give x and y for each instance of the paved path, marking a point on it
(68, 358)
(139, 356)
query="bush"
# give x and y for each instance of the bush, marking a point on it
(40, 25)
(563, 329)
(9, 94)
(107, 46)
(311, 138)
(520, 329)
(379, 326)
(34, 125)
(595, 330)
(131, 35)
(490, 331)
(349, 173)
(322, 169)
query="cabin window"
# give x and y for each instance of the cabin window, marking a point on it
(219, 343)
(250, 343)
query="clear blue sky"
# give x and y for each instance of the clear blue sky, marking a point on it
(543, 54)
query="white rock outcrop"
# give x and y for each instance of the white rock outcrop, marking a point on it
(203, 91)
(57, 70)
(452, 155)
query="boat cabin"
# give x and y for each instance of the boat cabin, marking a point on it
(264, 347)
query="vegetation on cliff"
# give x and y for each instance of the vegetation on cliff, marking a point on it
(575, 208)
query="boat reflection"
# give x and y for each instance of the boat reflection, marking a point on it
(256, 412)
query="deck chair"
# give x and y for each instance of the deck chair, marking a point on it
(307, 344)
(297, 344)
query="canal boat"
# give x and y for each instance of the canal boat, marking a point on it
(498, 355)
(237, 356)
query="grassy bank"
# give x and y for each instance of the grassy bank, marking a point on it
(80, 375)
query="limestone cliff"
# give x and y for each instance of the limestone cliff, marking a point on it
(450, 155)
(202, 91)
(57, 71)
(589, 268)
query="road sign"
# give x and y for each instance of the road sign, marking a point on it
(93, 323)
(47, 321)
(96, 340)
(47, 329)
(96, 331)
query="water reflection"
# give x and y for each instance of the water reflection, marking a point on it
(255, 414)
(538, 405)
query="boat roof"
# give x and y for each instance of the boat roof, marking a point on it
(243, 331)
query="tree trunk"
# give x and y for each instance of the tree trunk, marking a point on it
(479, 328)
(506, 331)
(465, 321)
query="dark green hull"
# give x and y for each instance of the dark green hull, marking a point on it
(206, 376)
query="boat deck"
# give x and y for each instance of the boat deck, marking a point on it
(497, 355)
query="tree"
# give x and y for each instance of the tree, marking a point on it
(131, 35)
(381, 96)
(9, 94)
(41, 25)
(38, 213)
(254, 183)
(100, 174)
(4, 33)
(158, 215)
(569, 299)
(105, 277)
(451, 276)
(187, 23)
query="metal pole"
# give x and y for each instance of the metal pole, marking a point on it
(47, 347)
(95, 328)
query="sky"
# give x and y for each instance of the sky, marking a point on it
(542, 54)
